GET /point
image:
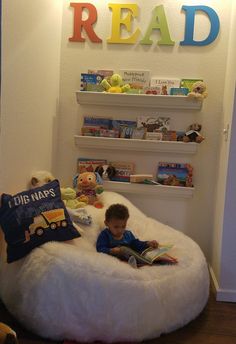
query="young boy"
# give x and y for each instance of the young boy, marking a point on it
(115, 234)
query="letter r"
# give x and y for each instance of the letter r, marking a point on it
(87, 24)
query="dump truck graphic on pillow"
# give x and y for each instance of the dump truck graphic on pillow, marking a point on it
(51, 219)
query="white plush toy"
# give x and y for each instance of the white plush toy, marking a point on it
(198, 91)
(39, 178)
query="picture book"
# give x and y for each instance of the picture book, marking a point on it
(126, 132)
(153, 123)
(125, 127)
(104, 72)
(117, 123)
(155, 135)
(91, 82)
(169, 135)
(165, 84)
(123, 170)
(137, 79)
(150, 256)
(100, 132)
(138, 133)
(179, 91)
(155, 90)
(89, 165)
(174, 174)
(101, 122)
(188, 83)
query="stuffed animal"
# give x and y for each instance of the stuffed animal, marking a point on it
(39, 178)
(193, 133)
(89, 185)
(115, 84)
(68, 195)
(198, 91)
(7, 335)
(106, 171)
(171, 180)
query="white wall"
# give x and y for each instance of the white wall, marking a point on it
(223, 256)
(31, 37)
(194, 217)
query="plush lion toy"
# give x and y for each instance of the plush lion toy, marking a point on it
(7, 335)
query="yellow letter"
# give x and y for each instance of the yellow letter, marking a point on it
(117, 21)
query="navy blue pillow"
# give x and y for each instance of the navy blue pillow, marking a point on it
(34, 217)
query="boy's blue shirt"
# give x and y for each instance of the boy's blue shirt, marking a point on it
(105, 242)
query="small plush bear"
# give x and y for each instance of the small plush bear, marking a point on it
(193, 133)
(199, 91)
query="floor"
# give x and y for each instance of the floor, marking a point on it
(215, 325)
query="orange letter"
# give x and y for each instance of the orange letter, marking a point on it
(86, 24)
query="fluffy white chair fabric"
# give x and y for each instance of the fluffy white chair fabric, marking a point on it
(69, 291)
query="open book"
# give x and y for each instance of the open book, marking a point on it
(151, 255)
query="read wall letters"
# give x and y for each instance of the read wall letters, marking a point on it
(124, 15)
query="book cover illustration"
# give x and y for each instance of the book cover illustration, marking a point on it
(123, 170)
(150, 256)
(100, 122)
(100, 132)
(137, 79)
(154, 123)
(99, 126)
(179, 91)
(155, 90)
(105, 73)
(125, 128)
(175, 174)
(89, 164)
(165, 84)
(91, 82)
(188, 83)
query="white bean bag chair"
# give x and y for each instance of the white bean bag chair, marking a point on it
(69, 291)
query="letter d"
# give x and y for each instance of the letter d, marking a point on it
(189, 27)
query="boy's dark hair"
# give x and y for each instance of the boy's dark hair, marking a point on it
(117, 211)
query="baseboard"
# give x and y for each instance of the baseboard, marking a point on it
(224, 295)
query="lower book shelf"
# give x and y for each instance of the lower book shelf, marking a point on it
(144, 189)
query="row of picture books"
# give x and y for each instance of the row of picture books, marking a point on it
(140, 82)
(168, 173)
(145, 127)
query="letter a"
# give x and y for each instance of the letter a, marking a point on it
(158, 22)
(189, 27)
(87, 24)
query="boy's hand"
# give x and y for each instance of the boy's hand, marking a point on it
(153, 244)
(115, 250)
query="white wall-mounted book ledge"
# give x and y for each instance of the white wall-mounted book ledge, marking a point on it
(137, 100)
(162, 191)
(135, 145)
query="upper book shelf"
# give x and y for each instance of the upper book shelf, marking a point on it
(137, 100)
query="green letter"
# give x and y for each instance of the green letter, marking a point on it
(158, 22)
